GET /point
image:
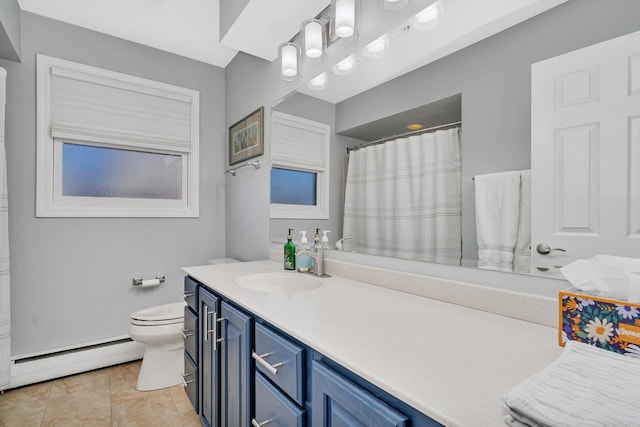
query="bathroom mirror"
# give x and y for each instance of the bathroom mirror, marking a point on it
(486, 86)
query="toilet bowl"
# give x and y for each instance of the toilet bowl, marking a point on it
(159, 329)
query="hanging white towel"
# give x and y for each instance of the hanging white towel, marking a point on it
(497, 217)
(585, 387)
(522, 254)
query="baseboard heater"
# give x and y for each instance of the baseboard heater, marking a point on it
(30, 369)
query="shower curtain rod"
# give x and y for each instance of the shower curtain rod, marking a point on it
(414, 132)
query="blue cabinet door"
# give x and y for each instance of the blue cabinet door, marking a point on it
(338, 402)
(209, 358)
(235, 364)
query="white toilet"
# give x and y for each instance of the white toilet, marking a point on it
(159, 329)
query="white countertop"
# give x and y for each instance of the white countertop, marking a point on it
(450, 362)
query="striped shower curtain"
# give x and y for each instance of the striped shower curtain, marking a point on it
(5, 313)
(403, 198)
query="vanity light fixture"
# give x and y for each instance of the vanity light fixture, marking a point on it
(319, 82)
(346, 67)
(428, 18)
(313, 40)
(393, 4)
(288, 62)
(344, 19)
(415, 126)
(377, 48)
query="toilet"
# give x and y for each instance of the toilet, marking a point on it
(159, 328)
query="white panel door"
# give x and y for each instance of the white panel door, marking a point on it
(585, 154)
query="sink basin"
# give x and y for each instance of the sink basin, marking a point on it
(284, 283)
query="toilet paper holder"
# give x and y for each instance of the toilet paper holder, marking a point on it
(138, 281)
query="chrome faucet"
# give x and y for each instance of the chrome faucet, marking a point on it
(318, 258)
(339, 243)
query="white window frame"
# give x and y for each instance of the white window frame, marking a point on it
(49, 199)
(297, 162)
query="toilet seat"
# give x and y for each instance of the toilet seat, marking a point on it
(165, 314)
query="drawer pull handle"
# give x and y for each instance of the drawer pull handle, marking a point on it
(255, 423)
(217, 340)
(186, 333)
(186, 383)
(186, 295)
(269, 367)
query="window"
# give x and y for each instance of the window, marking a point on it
(300, 168)
(113, 145)
(291, 187)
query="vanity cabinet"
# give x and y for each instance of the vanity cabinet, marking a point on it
(252, 374)
(223, 363)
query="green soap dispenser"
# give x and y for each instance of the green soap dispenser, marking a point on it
(289, 253)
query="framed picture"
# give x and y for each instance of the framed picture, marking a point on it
(246, 138)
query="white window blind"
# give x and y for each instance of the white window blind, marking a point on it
(94, 108)
(114, 145)
(299, 143)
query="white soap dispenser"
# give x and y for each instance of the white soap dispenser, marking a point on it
(325, 239)
(303, 261)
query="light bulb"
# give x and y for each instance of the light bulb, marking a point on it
(288, 61)
(393, 4)
(313, 40)
(428, 17)
(377, 48)
(346, 66)
(345, 19)
(319, 82)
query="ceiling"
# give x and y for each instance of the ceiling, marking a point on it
(192, 28)
(187, 28)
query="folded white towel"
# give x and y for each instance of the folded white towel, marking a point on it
(586, 386)
(497, 216)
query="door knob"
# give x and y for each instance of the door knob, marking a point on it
(544, 249)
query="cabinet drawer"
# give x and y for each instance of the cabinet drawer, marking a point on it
(191, 333)
(338, 401)
(273, 406)
(281, 361)
(191, 293)
(191, 381)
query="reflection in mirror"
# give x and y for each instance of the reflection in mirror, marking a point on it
(487, 86)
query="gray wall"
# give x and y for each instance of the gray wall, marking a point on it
(494, 78)
(71, 277)
(10, 30)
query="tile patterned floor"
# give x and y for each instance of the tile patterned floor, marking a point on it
(106, 397)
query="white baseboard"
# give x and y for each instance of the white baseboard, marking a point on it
(60, 365)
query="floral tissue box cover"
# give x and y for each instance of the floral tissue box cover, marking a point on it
(605, 323)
